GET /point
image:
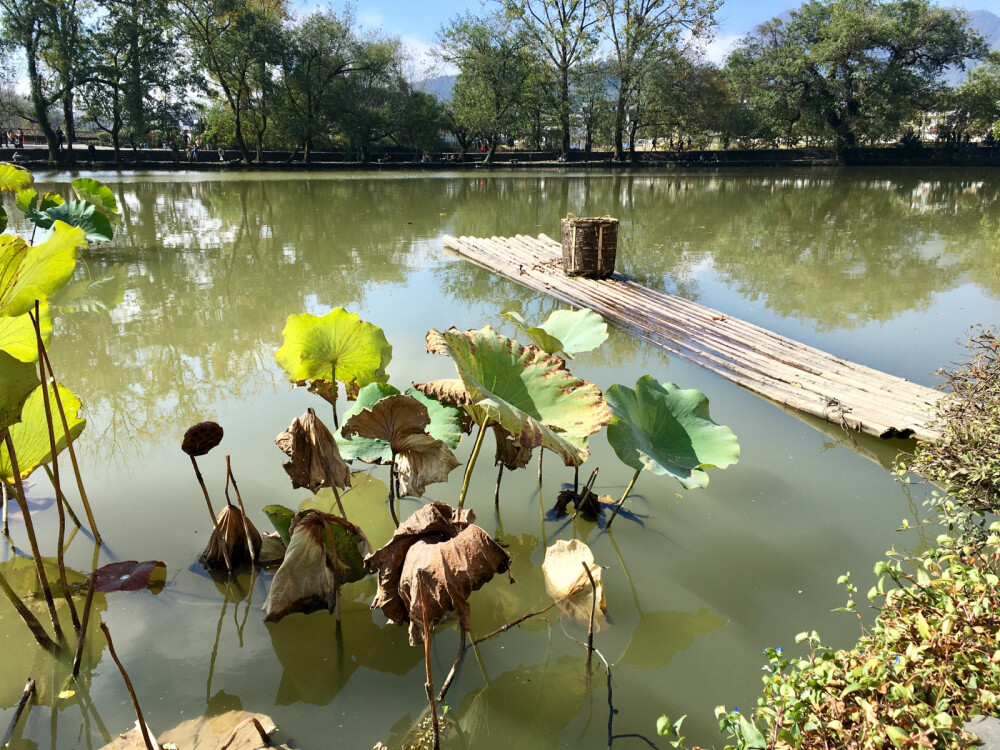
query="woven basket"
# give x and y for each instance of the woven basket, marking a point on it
(589, 247)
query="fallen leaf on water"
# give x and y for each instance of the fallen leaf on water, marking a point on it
(324, 550)
(439, 546)
(207, 733)
(315, 460)
(130, 575)
(567, 582)
(66, 694)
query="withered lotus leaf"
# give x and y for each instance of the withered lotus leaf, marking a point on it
(440, 548)
(451, 391)
(510, 452)
(315, 460)
(232, 535)
(130, 575)
(567, 582)
(401, 421)
(325, 551)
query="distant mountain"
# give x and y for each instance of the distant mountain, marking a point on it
(987, 24)
(440, 86)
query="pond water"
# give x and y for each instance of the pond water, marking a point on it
(887, 268)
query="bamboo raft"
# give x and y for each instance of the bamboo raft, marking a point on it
(780, 369)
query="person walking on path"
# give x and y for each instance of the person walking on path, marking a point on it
(61, 136)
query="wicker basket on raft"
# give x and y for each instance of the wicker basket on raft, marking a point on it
(589, 246)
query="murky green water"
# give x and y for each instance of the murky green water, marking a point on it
(887, 268)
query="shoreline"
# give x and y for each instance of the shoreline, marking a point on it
(161, 160)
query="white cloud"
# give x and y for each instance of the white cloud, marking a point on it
(718, 49)
(425, 64)
(371, 19)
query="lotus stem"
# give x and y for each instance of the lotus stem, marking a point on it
(496, 492)
(336, 574)
(211, 512)
(621, 502)
(29, 527)
(576, 479)
(78, 657)
(29, 690)
(593, 611)
(472, 462)
(541, 452)
(41, 637)
(454, 667)
(582, 497)
(243, 510)
(72, 451)
(4, 527)
(65, 500)
(131, 691)
(252, 721)
(513, 623)
(56, 484)
(429, 685)
(340, 504)
(392, 491)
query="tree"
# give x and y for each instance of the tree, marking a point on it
(64, 51)
(975, 104)
(496, 63)
(132, 69)
(371, 97)
(234, 42)
(855, 68)
(591, 102)
(642, 34)
(565, 31)
(23, 24)
(320, 51)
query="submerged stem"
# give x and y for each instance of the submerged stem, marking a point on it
(69, 508)
(392, 491)
(513, 623)
(78, 657)
(621, 502)
(429, 685)
(72, 452)
(131, 691)
(28, 617)
(472, 462)
(29, 527)
(5, 499)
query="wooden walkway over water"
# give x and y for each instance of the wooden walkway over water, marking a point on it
(778, 368)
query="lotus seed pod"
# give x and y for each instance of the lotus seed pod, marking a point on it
(201, 438)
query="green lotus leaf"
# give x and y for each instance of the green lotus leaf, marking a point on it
(3, 219)
(324, 551)
(34, 273)
(401, 421)
(567, 331)
(99, 195)
(666, 430)
(19, 380)
(369, 450)
(27, 202)
(31, 434)
(17, 335)
(14, 178)
(530, 393)
(446, 422)
(281, 519)
(81, 214)
(336, 347)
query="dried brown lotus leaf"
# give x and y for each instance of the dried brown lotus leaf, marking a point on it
(201, 438)
(401, 421)
(324, 389)
(510, 452)
(450, 391)
(436, 519)
(324, 550)
(567, 582)
(315, 458)
(451, 570)
(231, 535)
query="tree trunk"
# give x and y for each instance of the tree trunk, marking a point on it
(619, 150)
(68, 117)
(632, 127)
(307, 151)
(564, 109)
(37, 97)
(490, 151)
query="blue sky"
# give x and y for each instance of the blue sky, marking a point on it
(417, 22)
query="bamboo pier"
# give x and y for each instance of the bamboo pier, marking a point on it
(773, 366)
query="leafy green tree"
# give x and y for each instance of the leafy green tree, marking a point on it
(133, 69)
(852, 68)
(234, 42)
(496, 61)
(975, 104)
(642, 34)
(371, 97)
(591, 104)
(566, 31)
(420, 122)
(319, 52)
